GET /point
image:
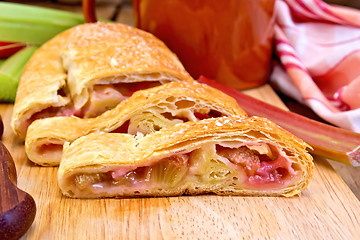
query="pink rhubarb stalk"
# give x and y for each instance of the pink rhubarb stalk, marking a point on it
(7, 48)
(327, 141)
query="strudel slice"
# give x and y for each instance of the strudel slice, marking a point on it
(144, 112)
(89, 69)
(225, 156)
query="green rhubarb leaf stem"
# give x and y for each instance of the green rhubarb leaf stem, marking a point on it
(21, 13)
(33, 25)
(31, 34)
(10, 72)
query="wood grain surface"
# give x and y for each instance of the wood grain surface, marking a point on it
(328, 209)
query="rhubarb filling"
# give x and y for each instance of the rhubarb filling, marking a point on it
(101, 98)
(144, 123)
(256, 166)
(50, 150)
(152, 121)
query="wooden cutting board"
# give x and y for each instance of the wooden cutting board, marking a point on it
(327, 209)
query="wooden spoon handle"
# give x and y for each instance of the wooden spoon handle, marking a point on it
(17, 208)
(1, 127)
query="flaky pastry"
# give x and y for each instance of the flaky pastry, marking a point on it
(225, 156)
(144, 112)
(89, 69)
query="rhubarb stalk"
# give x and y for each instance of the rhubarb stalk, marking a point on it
(33, 25)
(8, 48)
(10, 71)
(327, 141)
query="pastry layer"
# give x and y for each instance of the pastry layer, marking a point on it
(144, 112)
(89, 69)
(228, 155)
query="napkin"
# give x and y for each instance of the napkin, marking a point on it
(318, 58)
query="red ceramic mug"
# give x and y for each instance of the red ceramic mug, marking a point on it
(229, 41)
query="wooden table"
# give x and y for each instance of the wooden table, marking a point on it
(327, 209)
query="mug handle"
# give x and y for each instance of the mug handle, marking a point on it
(88, 9)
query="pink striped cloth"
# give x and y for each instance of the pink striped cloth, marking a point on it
(318, 49)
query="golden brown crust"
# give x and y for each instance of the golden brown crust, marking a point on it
(40, 82)
(183, 138)
(126, 51)
(86, 55)
(169, 97)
